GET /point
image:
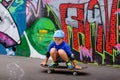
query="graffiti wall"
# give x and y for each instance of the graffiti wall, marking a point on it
(92, 28)
(12, 25)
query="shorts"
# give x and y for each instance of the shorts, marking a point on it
(59, 59)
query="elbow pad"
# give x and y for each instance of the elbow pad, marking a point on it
(72, 57)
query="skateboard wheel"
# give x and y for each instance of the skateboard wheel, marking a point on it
(49, 71)
(74, 73)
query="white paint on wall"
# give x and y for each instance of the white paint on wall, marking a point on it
(33, 52)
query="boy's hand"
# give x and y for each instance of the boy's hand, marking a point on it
(78, 67)
(44, 63)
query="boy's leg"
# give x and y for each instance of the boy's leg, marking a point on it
(54, 54)
(64, 56)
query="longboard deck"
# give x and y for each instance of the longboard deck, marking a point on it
(62, 68)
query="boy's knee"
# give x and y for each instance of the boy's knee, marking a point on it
(61, 52)
(53, 50)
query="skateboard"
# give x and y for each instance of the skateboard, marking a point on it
(62, 68)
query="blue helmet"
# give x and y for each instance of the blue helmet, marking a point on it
(59, 34)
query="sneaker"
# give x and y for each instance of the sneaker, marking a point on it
(69, 65)
(53, 65)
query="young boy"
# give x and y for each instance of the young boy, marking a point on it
(60, 49)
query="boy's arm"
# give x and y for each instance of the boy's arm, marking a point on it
(46, 59)
(48, 53)
(76, 65)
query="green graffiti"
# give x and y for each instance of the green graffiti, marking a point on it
(0, 0)
(23, 51)
(102, 56)
(92, 29)
(17, 3)
(69, 28)
(41, 34)
(55, 16)
(83, 38)
(48, 10)
(115, 52)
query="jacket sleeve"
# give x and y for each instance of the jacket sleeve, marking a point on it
(68, 50)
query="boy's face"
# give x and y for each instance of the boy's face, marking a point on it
(58, 41)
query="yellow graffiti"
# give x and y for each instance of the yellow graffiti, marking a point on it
(43, 31)
(42, 34)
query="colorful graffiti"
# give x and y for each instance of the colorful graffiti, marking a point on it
(91, 28)
(101, 14)
(10, 24)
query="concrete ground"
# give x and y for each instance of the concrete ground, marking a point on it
(24, 68)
